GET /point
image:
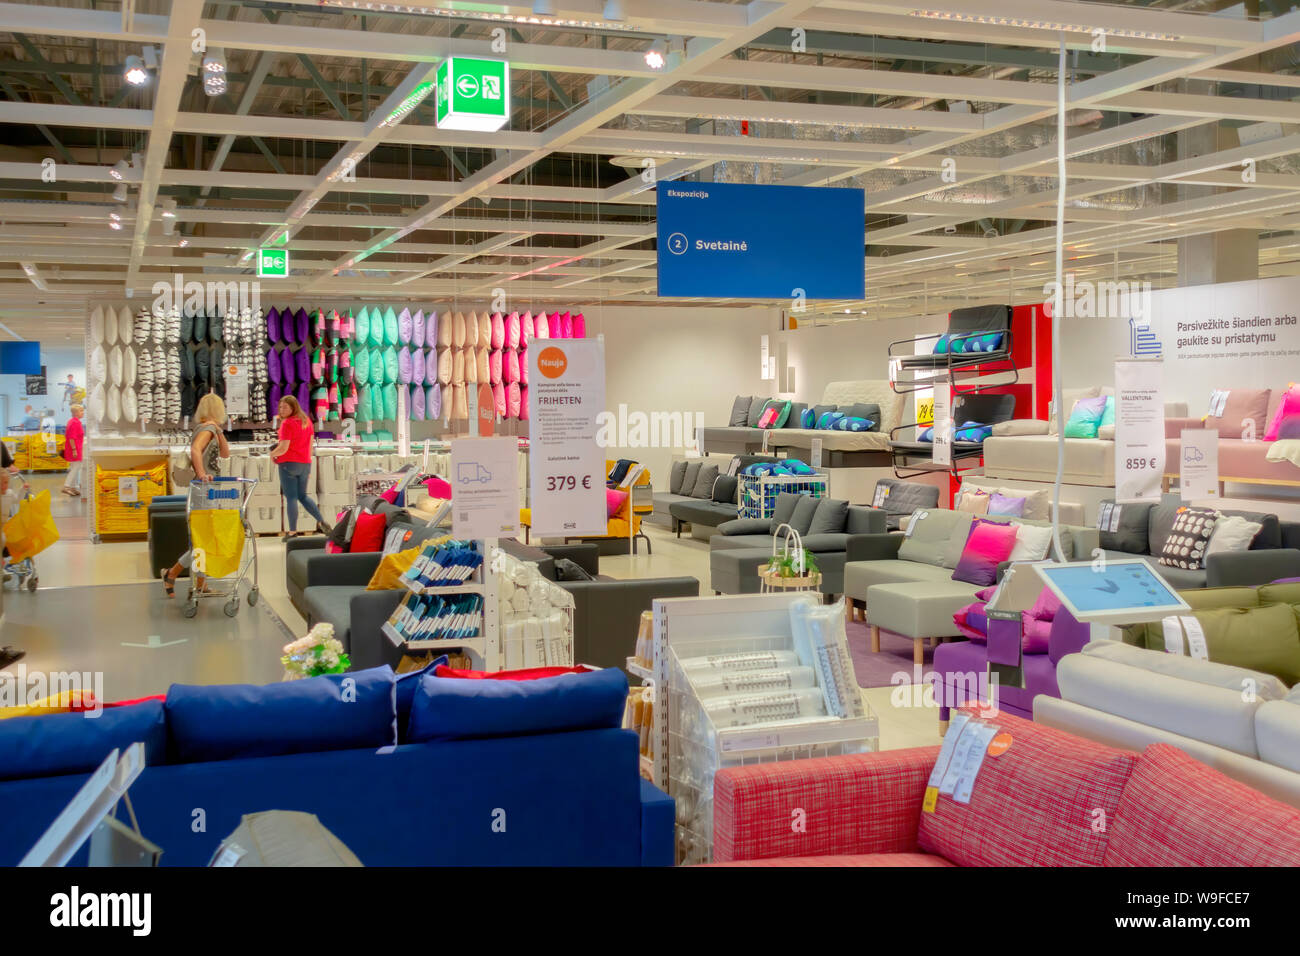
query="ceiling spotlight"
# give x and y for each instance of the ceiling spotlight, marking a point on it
(654, 57)
(169, 227)
(119, 170)
(168, 208)
(543, 8)
(214, 72)
(183, 242)
(116, 217)
(614, 10)
(119, 193)
(134, 71)
(114, 224)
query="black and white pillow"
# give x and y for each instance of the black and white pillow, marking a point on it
(1188, 539)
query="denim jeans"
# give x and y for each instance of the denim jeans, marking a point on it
(293, 485)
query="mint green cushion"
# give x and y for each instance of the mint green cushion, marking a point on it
(361, 365)
(1108, 416)
(365, 412)
(391, 365)
(390, 326)
(1085, 419)
(376, 327)
(361, 335)
(390, 403)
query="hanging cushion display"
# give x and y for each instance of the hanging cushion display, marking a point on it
(523, 403)
(512, 326)
(216, 328)
(446, 365)
(510, 367)
(110, 327)
(392, 331)
(97, 324)
(458, 366)
(446, 325)
(554, 328)
(218, 376)
(523, 366)
(113, 405)
(199, 329)
(457, 330)
(541, 327)
(302, 365)
(98, 364)
(128, 368)
(512, 400)
(471, 330)
(363, 404)
(404, 327)
(494, 367)
(97, 402)
(376, 335)
(471, 365)
(390, 365)
(430, 366)
(417, 328)
(484, 374)
(431, 330)
(499, 399)
(498, 337)
(361, 327)
(361, 366)
(319, 360)
(417, 366)
(350, 400)
(288, 367)
(415, 402)
(459, 403)
(125, 326)
(202, 365)
(115, 366)
(484, 330)
(433, 402)
(579, 326)
(404, 366)
(566, 326)
(273, 324)
(390, 403)
(304, 396)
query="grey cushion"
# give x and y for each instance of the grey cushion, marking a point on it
(1268, 536)
(804, 510)
(862, 520)
(907, 496)
(831, 516)
(931, 541)
(796, 413)
(860, 575)
(1134, 525)
(704, 480)
(755, 409)
(782, 510)
(691, 474)
(868, 410)
(709, 514)
(724, 489)
(740, 410)
(819, 411)
(824, 543)
(675, 475)
(1162, 522)
(332, 604)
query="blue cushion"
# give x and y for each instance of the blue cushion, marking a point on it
(807, 418)
(454, 708)
(828, 420)
(849, 424)
(926, 434)
(989, 342)
(54, 744)
(225, 721)
(796, 467)
(941, 345)
(407, 685)
(972, 431)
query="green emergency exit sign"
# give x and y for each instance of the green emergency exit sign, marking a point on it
(273, 263)
(473, 94)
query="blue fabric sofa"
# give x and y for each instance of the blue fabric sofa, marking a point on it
(552, 794)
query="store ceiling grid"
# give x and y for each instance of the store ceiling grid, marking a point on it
(554, 209)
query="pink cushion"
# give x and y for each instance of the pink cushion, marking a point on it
(438, 488)
(566, 326)
(553, 327)
(1286, 420)
(510, 367)
(498, 330)
(766, 419)
(1034, 804)
(494, 367)
(579, 326)
(512, 331)
(540, 330)
(988, 544)
(499, 397)
(523, 366)
(523, 403)
(512, 400)
(614, 501)
(1176, 811)
(525, 329)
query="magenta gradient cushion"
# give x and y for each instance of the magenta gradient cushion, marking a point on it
(614, 500)
(1286, 420)
(988, 544)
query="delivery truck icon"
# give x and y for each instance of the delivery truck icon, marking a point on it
(469, 471)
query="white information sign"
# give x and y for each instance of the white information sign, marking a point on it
(485, 492)
(128, 489)
(237, 391)
(1139, 430)
(1199, 454)
(816, 455)
(403, 425)
(943, 425)
(566, 465)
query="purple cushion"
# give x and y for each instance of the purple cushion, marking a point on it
(431, 331)
(404, 327)
(417, 366)
(1006, 505)
(988, 544)
(417, 404)
(433, 401)
(404, 366)
(304, 395)
(273, 324)
(288, 367)
(417, 328)
(303, 358)
(273, 371)
(273, 399)
(301, 327)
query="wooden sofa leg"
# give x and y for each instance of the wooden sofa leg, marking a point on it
(918, 651)
(875, 639)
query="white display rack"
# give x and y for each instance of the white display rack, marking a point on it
(688, 748)
(757, 493)
(485, 649)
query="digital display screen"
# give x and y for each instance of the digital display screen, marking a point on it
(20, 358)
(1112, 587)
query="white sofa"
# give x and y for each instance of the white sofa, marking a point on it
(1243, 723)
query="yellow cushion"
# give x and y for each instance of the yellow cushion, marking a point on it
(54, 704)
(393, 566)
(526, 517)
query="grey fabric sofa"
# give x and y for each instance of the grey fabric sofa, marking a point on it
(901, 498)
(734, 552)
(711, 502)
(1143, 529)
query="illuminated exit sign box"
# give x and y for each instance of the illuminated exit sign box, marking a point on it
(473, 94)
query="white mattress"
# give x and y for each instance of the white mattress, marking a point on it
(1088, 461)
(831, 440)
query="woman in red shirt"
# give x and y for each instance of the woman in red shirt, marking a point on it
(74, 439)
(293, 455)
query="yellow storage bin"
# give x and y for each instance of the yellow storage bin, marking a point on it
(115, 516)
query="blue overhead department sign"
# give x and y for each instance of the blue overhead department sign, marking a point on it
(726, 240)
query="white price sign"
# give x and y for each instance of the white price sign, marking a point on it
(816, 455)
(1139, 430)
(237, 391)
(566, 465)
(128, 489)
(1199, 454)
(943, 425)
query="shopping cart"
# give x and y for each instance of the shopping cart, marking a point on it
(222, 540)
(22, 572)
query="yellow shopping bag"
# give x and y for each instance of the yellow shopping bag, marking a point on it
(217, 538)
(31, 530)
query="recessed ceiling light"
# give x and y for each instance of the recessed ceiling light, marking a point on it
(654, 57)
(134, 71)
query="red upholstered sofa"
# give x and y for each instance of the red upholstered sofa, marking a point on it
(1051, 799)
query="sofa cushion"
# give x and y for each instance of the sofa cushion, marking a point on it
(334, 712)
(804, 511)
(918, 608)
(827, 542)
(1188, 538)
(52, 744)
(783, 510)
(1270, 532)
(1176, 811)
(831, 516)
(704, 478)
(795, 418)
(756, 406)
(724, 489)
(1262, 639)
(1243, 405)
(691, 474)
(1277, 732)
(676, 474)
(861, 575)
(1160, 522)
(1132, 533)
(447, 708)
(1033, 805)
(861, 520)
(740, 410)
(932, 537)
(988, 544)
